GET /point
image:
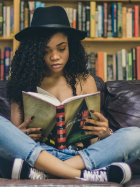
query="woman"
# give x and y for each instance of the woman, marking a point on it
(50, 56)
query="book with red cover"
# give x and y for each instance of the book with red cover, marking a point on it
(105, 20)
(138, 61)
(136, 21)
(100, 64)
(2, 65)
(61, 121)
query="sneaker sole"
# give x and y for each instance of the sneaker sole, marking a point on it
(16, 170)
(125, 167)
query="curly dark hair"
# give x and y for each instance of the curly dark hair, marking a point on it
(28, 65)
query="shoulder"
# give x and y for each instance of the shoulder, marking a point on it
(88, 85)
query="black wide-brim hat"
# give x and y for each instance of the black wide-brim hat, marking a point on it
(45, 18)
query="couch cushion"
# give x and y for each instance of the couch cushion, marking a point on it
(134, 182)
(5, 109)
(122, 103)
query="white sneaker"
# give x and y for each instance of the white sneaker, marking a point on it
(116, 172)
(22, 170)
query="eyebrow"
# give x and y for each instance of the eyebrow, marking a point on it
(58, 44)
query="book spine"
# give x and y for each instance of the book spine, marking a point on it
(138, 62)
(12, 21)
(100, 64)
(124, 63)
(2, 66)
(115, 19)
(105, 66)
(84, 19)
(109, 67)
(92, 64)
(26, 21)
(105, 20)
(99, 21)
(127, 66)
(119, 10)
(31, 11)
(134, 65)
(88, 19)
(92, 18)
(123, 22)
(1, 18)
(61, 132)
(133, 30)
(42, 4)
(7, 62)
(74, 18)
(114, 67)
(89, 64)
(22, 5)
(109, 26)
(130, 65)
(129, 23)
(71, 16)
(79, 15)
(136, 21)
(4, 21)
(120, 69)
(96, 23)
(8, 20)
(37, 4)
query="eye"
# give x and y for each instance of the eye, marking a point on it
(61, 49)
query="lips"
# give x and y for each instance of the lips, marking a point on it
(56, 65)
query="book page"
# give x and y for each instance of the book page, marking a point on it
(42, 91)
(46, 98)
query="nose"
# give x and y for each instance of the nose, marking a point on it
(55, 55)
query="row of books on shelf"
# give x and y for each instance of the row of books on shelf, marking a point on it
(5, 61)
(6, 20)
(107, 20)
(124, 65)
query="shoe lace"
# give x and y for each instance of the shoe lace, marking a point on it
(36, 174)
(97, 175)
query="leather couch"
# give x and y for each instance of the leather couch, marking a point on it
(120, 103)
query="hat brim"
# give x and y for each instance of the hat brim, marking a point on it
(29, 30)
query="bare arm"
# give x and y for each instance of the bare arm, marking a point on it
(15, 114)
(89, 86)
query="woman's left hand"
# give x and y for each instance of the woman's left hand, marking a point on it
(101, 127)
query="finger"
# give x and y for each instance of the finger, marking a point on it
(32, 130)
(26, 122)
(100, 116)
(95, 129)
(91, 133)
(35, 136)
(96, 123)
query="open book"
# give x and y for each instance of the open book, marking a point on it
(61, 121)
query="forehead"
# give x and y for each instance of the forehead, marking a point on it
(57, 39)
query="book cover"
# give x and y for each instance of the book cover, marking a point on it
(92, 64)
(100, 64)
(119, 19)
(2, 65)
(44, 107)
(88, 19)
(1, 18)
(4, 21)
(138, 61)
(8, 20)
(92, 18)
(124, 22)
(109, 67)
(22, 16)
(105, 20)
(136, 21)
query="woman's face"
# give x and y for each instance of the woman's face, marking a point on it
(56, 53)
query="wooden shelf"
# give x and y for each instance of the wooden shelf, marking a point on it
(134, 39)
(66, 1)
(6, 37)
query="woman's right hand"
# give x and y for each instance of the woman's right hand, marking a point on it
(31, 131)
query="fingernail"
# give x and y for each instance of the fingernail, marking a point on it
(32, 117)
(41, 129)
(42, 135)
(82, 132)
(83, 119)
(92, 111)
